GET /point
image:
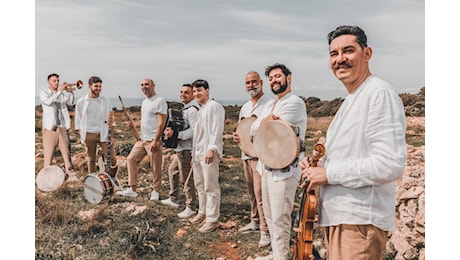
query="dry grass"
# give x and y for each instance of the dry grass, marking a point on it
(69, 227)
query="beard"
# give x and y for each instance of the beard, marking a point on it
(254, 91)
(282, 88)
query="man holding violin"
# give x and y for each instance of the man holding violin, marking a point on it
(365, 154)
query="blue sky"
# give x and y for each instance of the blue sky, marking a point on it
(174, 42)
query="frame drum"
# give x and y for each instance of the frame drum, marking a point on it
(98, 187)
(50, 178)
(277, 144)
(243, 130)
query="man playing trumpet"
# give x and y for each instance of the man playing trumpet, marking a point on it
(56, 121)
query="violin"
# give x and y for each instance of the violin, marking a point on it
(303, 245)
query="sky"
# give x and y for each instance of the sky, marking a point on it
(175, 42)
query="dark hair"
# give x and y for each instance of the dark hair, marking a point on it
(200, 83)
(94, 79)
(187, 85)
(361, 37)
(283, 67)
(53, 75)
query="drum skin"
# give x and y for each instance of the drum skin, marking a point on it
(50, 178)
(98, 187)
(243, 130)
(276, 143)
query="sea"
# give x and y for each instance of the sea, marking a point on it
(130, 102)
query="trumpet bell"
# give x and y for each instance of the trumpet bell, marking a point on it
(77, 85)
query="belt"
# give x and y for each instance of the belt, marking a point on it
(285, 169)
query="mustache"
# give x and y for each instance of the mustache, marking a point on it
(341, 65)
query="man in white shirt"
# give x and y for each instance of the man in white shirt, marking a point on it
(91, 117)
(56, 122)
(279, 185)
(179, 169)
(153, 118)
(206, 155)
(253, 107)
(365, 154)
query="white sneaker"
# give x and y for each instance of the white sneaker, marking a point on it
(169, 202)
(155, 196)
(251, 227)
(127, 192)
(188, 212)
(264, 239)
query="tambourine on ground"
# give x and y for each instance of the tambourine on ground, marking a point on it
(243, 130)
(50, 178)
(277, 144)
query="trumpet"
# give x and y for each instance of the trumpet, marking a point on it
(77, 85)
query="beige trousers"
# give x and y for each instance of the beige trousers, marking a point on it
(91, 142)
(178, 172)
(138, 152)
(254, 189)
(355, 242)
(53, 139)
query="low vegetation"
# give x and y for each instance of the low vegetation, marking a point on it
(67, 226)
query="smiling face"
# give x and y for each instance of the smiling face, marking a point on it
(148, 87)
(186, 94)
(95, 89)
(279, 82)
(348, 61)
(201, 94)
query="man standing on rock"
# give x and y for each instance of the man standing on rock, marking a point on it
(365, 154)
(153, 119)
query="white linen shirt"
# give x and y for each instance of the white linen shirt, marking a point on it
(365, 154)
(292, 109)
(82, 117)
(190, 115)
(208, 130)
(149, 109)
(248, 109)
(48, 99)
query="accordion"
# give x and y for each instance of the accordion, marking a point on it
(176, 121)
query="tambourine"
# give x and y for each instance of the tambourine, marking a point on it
(50, 178)
(277, 144)
(243, 130)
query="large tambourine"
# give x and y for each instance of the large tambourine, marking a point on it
(50, 178)
(243, 130)
(277, 144)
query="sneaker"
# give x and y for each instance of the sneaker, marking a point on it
(251, 227)
(198, 219)
(155, 196)
(169, 202)
(188, 212)
(264, 239)
(127, 192)
(267, 257)
(209, 227)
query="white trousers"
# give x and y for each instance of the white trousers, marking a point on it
(206, 178)
(278, 203)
